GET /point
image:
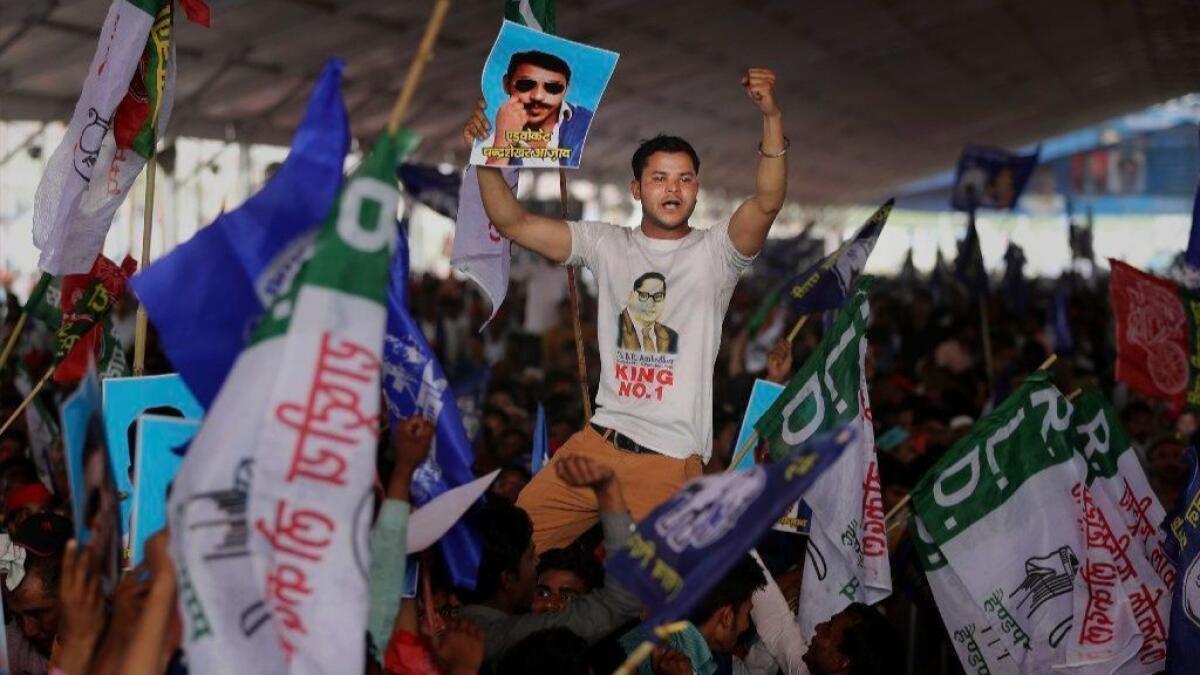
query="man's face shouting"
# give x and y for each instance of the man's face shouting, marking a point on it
(541, 91)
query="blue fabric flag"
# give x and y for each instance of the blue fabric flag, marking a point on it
(205, 296)
(1193, 249)
(991, 178)
(827, 284)
(470, 389)
(429, 186)
(968, 267)
(541, 442)
(1060, 320)
(687, 544)
(414, 384)
(1183, 547)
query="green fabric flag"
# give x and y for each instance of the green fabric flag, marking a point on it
(536, 14)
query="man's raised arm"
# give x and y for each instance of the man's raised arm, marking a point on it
(549, 237)
(750, 223)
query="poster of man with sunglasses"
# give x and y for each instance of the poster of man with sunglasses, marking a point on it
(540, 93)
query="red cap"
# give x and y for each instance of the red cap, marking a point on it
(30, 493)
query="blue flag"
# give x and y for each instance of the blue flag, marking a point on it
(968, 267)
(414, 384)
(541, 442)
(687, 544)
(991, 178)
(1183, 547)
(1059, 319)
(431, 187)
(1193, 249)
(827, 284)
(205, 296)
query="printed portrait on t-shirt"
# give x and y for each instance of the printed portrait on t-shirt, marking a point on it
(638, 325)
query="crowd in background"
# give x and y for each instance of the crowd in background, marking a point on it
(927, 381)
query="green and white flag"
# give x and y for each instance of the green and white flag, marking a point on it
(847, 559)
(130, 84)
(271, 508)
(1127, 514)
(1003, 513)
(536, 14)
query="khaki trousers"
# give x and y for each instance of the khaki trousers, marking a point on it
(560, 513)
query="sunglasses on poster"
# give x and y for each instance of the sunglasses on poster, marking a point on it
(525, 86)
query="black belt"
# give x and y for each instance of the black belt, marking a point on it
(623, 442)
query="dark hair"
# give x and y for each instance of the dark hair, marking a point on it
(870, 643)
(650, 275)
(739, 584)
(576, 560)
(554, 651)
(506, 532)
(47, 568)
(662, 143)
(539, 59)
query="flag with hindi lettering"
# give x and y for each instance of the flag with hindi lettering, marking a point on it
(541, 445)
(1024, 568)
(1183, 547)
(847, 559)
(1127, 506)
(830, 282)
(85, 333)
(415, 384)
(271, 509)
(125, 103)
(1156, 335)
(685, 546)
(991, 178)
(205, 296)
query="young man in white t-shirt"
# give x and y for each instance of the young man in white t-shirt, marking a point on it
(663, 292)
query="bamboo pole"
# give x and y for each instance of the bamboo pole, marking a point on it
(417, 67)
(796, 329)
(573, 296)
(28, 399)
(646, 648)
(11, 344)
(139, 336)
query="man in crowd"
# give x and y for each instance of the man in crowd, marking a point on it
(504, 590)
(653, 422)
(563, 575)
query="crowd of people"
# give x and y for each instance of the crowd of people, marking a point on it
(544, 600)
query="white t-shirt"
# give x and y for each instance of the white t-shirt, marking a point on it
(659, 341)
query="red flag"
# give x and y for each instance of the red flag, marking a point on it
(86, 299)
(1155, 335)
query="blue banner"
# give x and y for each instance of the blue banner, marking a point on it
(827, 284)
(415, 384)
(429, 186)
(541, 443)
(991, 178)
(1183, 547)
(205, 296)
(686, 545)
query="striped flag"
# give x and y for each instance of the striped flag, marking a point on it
(271, 509)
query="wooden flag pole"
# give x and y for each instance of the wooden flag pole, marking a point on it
(417, 67)
(139, 336)
(28, 399)
(573, 296)
(796, 329)
(11, 344)
(646, 648)
(749, 443)
(904, 502)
